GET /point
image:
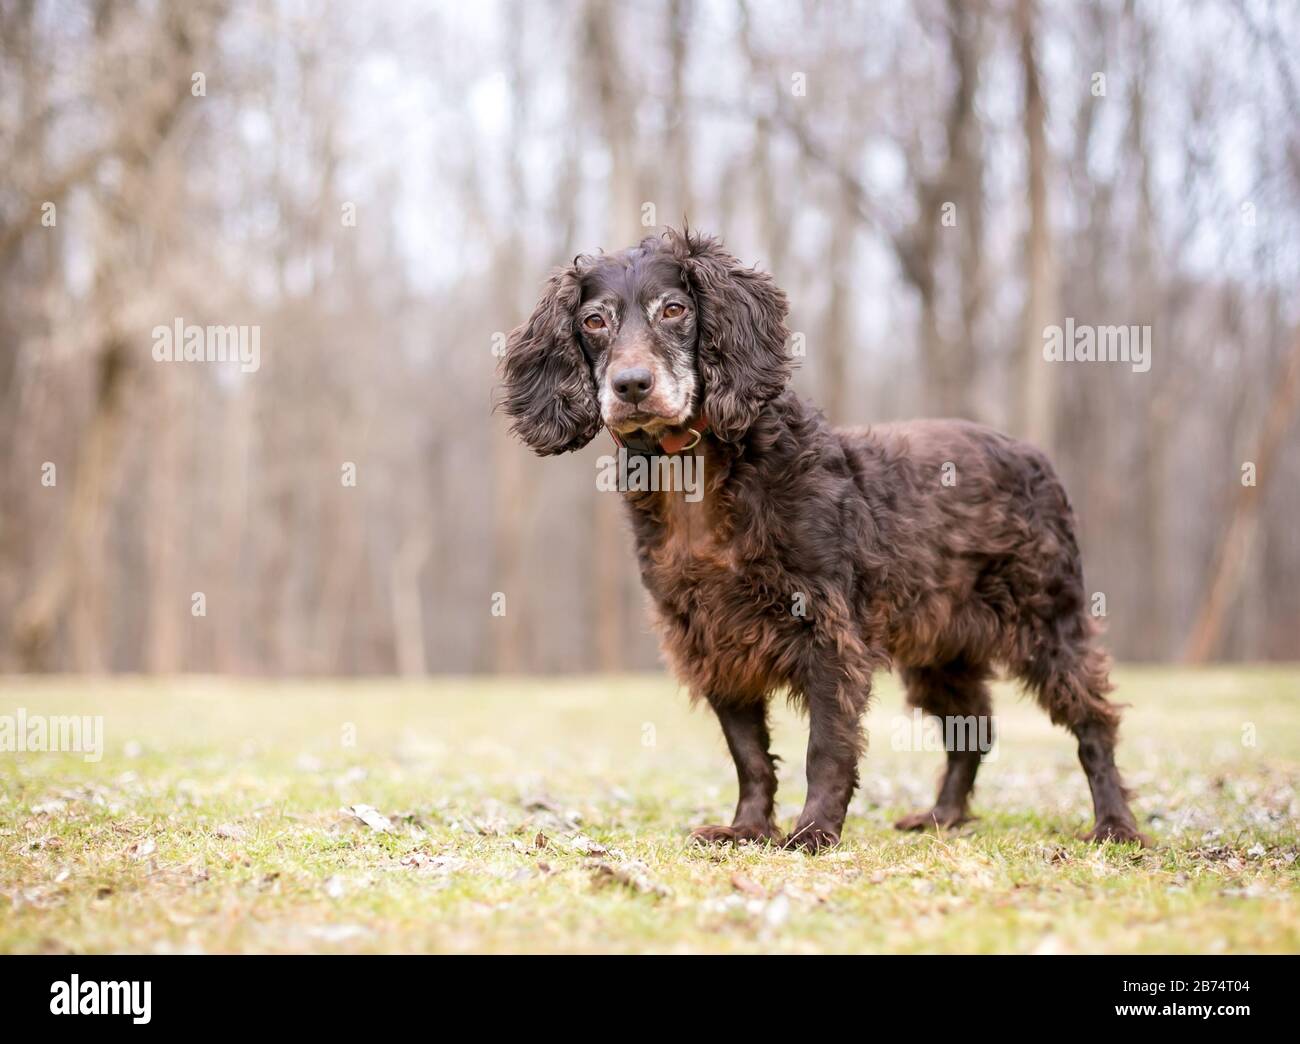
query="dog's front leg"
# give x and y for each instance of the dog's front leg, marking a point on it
(745, 727)
(834, 747)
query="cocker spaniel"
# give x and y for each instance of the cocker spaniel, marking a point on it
(816, 555)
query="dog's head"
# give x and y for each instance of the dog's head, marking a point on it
(648, 339)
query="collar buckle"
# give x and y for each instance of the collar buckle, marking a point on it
(639, 444)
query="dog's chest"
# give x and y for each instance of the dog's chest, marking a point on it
(722, 617)
(692, 545)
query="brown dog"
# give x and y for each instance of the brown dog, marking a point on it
(816, 556)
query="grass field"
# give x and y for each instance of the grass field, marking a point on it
(552, 815)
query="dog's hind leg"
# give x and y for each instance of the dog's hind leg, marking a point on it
(745, 727)
(958, 695)
(1071, 682)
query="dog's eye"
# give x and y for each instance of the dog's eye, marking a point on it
(672, 311)
(593, 323)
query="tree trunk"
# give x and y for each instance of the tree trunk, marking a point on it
(1037, 414)
(1234, 548)
(623, 227)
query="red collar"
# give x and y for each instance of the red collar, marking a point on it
(675, 441)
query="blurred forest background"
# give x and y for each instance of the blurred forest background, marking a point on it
(1118, 162)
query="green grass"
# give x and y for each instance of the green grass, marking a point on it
(552, 815)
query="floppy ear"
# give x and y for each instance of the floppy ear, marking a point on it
(549, 391)
(742, 354)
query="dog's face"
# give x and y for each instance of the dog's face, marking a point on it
(637, 326)
(647, 339)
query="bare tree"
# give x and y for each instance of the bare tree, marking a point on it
(1037, 381)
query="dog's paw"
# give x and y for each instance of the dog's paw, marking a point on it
(733, 835)
(812, 838)
(936, 817)
(1119, 832)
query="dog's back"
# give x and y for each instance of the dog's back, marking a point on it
(987, 559)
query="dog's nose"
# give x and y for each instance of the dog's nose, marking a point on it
(633, 384)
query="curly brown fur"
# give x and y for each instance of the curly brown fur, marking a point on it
(817, 556)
